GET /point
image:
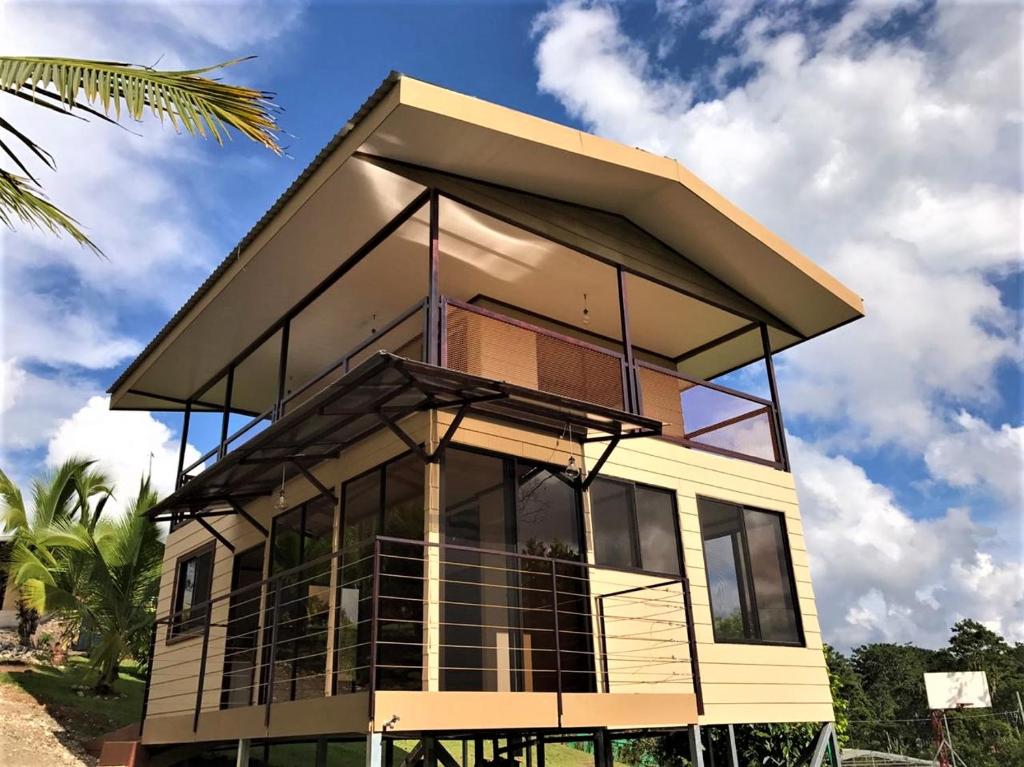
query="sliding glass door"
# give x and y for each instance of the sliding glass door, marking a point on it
(505, 523)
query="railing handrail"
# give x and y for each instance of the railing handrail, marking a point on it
(706, 384)
(499, 317)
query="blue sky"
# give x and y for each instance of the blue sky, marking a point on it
(882, 139)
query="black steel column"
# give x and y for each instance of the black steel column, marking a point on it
(282, 369)
(433, 294)
(558, 646)
(632, 398)
(201, 682)
(225, 421)
(149, 679)
(773, 387)
(186, 418)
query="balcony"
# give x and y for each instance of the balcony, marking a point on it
(413, 634)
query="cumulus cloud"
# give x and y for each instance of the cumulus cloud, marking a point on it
(32, 405)
(890, 157)
(126, 445)
(881, 574)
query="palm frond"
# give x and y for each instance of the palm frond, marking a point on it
(21, 199)
(189, 98)
(13, 513)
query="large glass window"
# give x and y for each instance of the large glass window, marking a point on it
(301, 536)
(388, 501)
(242, 633)
(634, 526)
(753, 598)
(193, 576)
(497, 614)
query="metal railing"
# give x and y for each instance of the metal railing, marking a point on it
(383, 338)
(709, 416)
(363, 619)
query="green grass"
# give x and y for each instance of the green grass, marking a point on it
(86, 716)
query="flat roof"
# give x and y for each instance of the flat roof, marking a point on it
(415, 122)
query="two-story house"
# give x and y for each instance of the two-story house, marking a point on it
(499, 459)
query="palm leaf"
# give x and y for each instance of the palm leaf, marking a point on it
(204, 106)
(21, 199)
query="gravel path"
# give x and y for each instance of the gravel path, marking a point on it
(30, 737)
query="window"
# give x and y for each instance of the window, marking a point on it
(192, 579)
(634, 526)
(387, 501)
(753, 598)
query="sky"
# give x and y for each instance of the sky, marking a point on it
(882, 139)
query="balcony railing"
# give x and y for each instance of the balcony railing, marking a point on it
(699, 414)
(361, 620)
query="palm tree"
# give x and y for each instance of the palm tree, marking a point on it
(191, 101)
(57, 498)
(103, 572)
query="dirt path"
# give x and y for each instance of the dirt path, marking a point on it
(30, 737)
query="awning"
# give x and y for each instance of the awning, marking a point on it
(378, 394)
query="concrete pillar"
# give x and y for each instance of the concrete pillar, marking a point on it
(243, 753)
(374, 750)
(696, 747)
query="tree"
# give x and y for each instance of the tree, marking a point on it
(191, 101)
(105, 571)
(56, 499)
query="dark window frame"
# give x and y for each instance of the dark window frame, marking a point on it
(635, 530)
(744, 559)
(554, 468)
(175, 633)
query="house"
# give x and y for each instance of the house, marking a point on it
(499, 459)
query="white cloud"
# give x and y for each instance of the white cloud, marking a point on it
(124, 444)
(881, 574)
(894, 162)
(32, 405)
(978, 454)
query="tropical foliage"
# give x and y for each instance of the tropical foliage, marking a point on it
(72, 562)
(190, 100)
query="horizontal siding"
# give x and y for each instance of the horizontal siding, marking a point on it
(176, 664)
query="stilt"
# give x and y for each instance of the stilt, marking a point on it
(540, 750)
(696, 747)
(389, 753)
(374, 750)
(429, 751)
(603, 756)
(478, 752)
(733, 755)
(243, 753)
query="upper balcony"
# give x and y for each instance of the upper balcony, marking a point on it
(449, 230)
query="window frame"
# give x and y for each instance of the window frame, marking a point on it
(801, 640)
(635, 529)
(381, 470)
(176, 634)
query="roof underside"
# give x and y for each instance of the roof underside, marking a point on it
(384, 389)
(340, 200)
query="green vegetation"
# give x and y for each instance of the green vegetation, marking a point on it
(71, 562)
(79, 710)
(193, 102)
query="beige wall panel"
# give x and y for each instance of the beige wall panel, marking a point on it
(731, 713)
(628, 710)
(470, 710)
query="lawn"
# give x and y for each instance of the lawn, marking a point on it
(86, 716)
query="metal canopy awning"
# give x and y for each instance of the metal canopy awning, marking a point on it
(378, 394)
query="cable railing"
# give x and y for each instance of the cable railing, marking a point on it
(363, 619)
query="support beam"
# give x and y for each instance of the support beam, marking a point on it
(374, 750)
(311, 478)
(773, 387)
(733, 754)
(593, 473)
(243, 753)
(400, 433)
(213, 531)
(185, 419)
(282, 368)
(821, 745)
(248, 517)
(631, 394)
(226, 418)
(433, 296)
(696, 746)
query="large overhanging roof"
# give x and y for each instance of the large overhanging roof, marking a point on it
(378, 394)
(413, 122)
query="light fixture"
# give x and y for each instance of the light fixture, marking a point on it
(571, 470)
(586, 311)
(282, 502)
